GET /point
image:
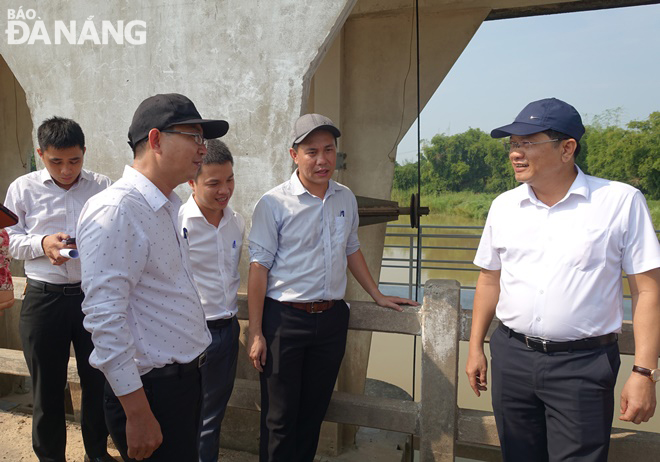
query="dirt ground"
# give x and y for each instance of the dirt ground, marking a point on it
(16, 442)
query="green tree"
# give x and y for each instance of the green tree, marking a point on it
(469, 161)
(630, 155)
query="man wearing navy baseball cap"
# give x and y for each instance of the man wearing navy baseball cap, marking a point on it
(551, 257)
(142, 306)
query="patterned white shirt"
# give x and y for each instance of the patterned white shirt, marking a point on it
(43, 208)
(304, 240)
(141, 304)
(561, 265)
(214, 257)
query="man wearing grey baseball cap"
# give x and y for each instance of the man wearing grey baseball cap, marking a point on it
(303, 236)
(551, 257)
(142, 306)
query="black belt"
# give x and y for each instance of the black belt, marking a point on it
(176, 369)
(64, 289)
(219, 323)
(548, 346)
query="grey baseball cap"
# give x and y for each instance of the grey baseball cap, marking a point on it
(308, 123)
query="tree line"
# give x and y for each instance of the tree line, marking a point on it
(473, 161)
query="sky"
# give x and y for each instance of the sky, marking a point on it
(596, 61)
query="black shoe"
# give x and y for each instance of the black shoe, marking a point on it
(104, 458)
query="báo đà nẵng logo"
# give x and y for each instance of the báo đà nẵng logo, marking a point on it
(25, 27)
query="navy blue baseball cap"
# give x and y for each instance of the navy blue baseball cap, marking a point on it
(545, 114)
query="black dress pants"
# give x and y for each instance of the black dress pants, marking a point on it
(304, 353)
(552, 406)
(176, 402)
(49, 323)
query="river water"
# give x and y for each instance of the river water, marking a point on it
(391, 358)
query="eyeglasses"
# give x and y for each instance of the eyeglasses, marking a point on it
(199, 139)
(511, 145)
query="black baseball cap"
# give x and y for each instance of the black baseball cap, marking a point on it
(308, 123)
(541, 115)
(164, 110)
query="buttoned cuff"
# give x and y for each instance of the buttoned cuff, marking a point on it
(125, 380)
(35, 245)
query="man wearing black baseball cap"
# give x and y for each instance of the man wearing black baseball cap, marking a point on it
(303, 237)
(142, 307)
(551, 254)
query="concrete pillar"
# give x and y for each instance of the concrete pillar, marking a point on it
(440, 335)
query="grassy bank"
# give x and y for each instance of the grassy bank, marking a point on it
(475, 206)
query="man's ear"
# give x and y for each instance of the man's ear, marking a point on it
(154, 139)
(294, 155)
(40, 152)
(568, 149)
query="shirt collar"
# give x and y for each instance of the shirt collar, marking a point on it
(196, 212)
(45, 176)
(579, 187)
(297, 188)
(154, 196)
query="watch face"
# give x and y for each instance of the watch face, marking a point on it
(655, 375)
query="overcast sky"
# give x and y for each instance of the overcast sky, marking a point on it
(595, 61)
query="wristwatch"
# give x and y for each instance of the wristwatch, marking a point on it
(652, 374)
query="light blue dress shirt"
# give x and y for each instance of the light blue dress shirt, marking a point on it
(304, 240)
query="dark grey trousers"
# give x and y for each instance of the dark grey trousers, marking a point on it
(552, 406)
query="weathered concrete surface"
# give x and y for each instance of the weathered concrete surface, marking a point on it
(440, 330)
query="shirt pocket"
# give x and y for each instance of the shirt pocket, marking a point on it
(235, 253)
(339, 233)
(589, 251)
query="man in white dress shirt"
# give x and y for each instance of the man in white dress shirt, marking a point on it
(551, 254)
(146, 319)
(303, 237)
(215, 237)
(48, 203)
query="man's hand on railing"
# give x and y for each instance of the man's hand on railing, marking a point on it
(257, 351)
(387, 301)
(476, 370)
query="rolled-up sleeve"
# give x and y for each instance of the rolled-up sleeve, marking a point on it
(353, 243)
(263, 239)
(113, 255)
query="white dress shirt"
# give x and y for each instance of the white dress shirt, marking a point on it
(43, 208)
(214, 257)
(561, 265)
(304, 240)
(141, 305)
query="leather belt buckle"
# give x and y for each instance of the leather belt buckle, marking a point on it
(70, 291)
(312, 308)
(537, 344)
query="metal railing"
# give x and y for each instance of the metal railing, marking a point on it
(429, 232)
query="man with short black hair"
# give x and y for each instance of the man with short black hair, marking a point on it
(143, 309)
(48, 203)
(551, 254)
(303, 237)
(214, 233)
